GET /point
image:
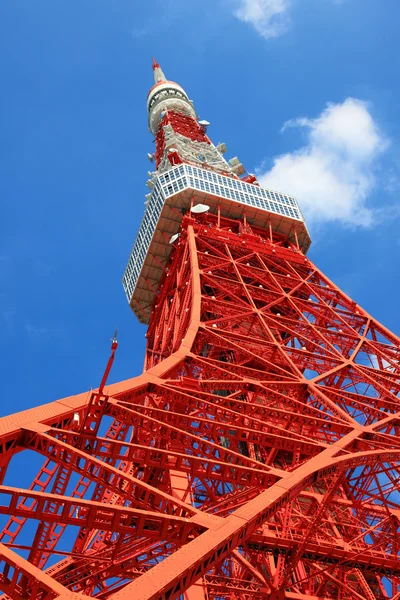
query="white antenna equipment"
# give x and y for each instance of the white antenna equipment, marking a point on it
(199, 209)
(174, 238)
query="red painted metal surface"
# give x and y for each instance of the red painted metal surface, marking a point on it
(184, 125)
(257, 456)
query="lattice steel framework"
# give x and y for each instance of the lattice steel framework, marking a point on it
(256, 457)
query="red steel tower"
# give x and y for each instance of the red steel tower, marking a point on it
(257, 456)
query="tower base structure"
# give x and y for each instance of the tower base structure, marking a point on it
(257, 456)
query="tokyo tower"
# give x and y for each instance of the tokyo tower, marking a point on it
(257, 456)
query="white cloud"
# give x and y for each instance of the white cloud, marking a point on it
(332, 175)
(34, 330)
(141, 32)
(269, 17)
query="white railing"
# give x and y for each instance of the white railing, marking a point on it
(183, 177)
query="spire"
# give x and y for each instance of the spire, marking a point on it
(158, 72)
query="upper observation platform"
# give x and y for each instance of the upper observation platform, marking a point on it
(172, 195)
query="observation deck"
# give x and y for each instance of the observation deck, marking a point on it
(172, 194)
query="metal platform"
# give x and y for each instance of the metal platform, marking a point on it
(172, 195)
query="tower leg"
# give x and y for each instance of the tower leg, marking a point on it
(258, 456)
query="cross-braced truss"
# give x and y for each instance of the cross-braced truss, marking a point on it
(255, 458)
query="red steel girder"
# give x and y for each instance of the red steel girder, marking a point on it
(262, 438)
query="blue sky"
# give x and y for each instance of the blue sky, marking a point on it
(305, 92)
